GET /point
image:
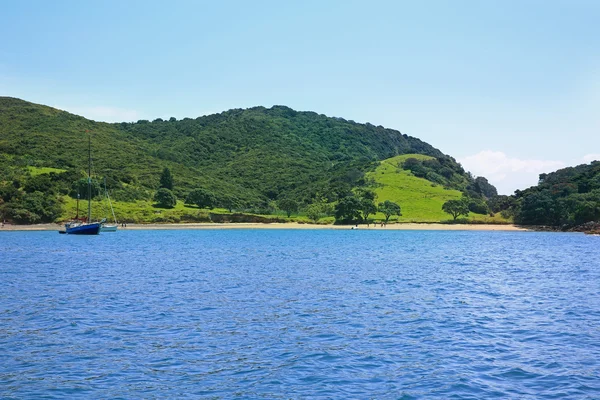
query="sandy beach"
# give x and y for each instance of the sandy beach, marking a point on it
(291, 225)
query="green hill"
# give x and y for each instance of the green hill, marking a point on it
(421, 200)
(565, 198)
(251, 158)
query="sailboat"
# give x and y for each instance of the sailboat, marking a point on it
(109, 227)
(79, 226)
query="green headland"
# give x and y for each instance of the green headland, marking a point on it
(243, 165)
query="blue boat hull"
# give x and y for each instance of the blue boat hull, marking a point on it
(83, 229)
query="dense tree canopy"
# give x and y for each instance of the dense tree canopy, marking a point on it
(348, 210)
(456, 208)
(165, 198)
(288, 205)
(477, 205)
(367, 207)
(389, 208)
(230, 202)
(166, 180)
(35, 207)
(80, 188)
(315, 211)
(567, 197)
(481, 185)
(202, 198)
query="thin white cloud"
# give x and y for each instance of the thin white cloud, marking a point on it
(105, 114)
(588, 158)
(508, 173)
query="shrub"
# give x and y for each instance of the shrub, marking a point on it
(165, 198)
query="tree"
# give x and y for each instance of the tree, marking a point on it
(230, 202)
(46, 207)
(165, 198)
(348, 209)
(586, 211)
(272, 207)
(415, 166)
(315, 211)
(8, 192)
(338, 190)
(328, 209)
(456, 208)
(501, 203)
(368, 207)
(485, 188)
(80, 187)
(166, 180)
(540, 208)
(22, 216)
(410, 163)
(40, 183)
(201, 198)
(288, 205)
(478, 206)
(32, 208)
(366, 194)
(389, 208)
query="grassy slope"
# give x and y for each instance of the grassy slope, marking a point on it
(34, 171)
(420, 200)
(139, 211)
(145, 212)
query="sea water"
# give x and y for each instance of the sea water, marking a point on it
(300, 314)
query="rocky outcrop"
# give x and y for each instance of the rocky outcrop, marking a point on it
(592, 228)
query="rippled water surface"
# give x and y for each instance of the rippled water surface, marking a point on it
(300, 314)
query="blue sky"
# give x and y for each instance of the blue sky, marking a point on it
(509, 88)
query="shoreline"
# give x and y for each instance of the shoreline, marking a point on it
(288, 225)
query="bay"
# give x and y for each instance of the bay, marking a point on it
(300, 314)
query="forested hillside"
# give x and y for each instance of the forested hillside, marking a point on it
(244, 160)
(567, 197)
(276, 152)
